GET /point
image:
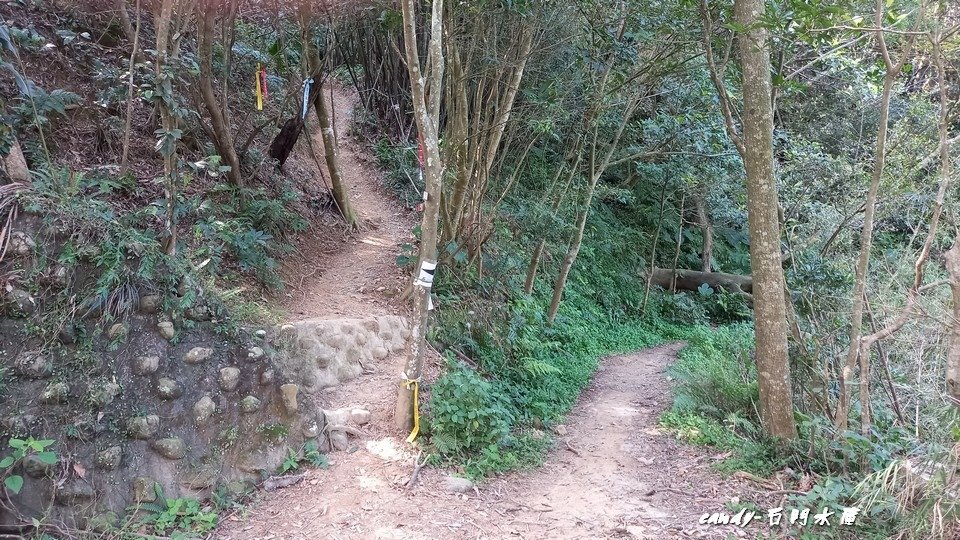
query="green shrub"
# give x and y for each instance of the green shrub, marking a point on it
(467, 413)
(716, 374)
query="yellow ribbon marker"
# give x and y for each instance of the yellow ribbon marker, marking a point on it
(416, 408)
(259, 89)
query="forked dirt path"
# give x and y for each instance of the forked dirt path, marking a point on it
(613, 475)
(349, 274)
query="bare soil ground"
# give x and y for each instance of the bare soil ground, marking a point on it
(349, 273)
(613, 475)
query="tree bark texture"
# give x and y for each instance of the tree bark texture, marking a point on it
(770, 313)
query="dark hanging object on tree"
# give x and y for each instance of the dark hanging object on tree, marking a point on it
(282, 145)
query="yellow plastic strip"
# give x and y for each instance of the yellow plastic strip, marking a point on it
(416, 409)
(259, 89)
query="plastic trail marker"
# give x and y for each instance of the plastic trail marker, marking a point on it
(306, 98)
(420, 160)
(263, 78)
(415, 385)
(258, 89)
(425, 278)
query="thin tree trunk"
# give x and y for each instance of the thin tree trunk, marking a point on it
(676, 256)
(596, 171)
(332, 158)
(129, 30)
(706, 227)
(770, 314)
(426, 94)
(222, 136)
(893, 70)
(953, 352)
(167, 125)
(320, 105)
(128, 122)
(558, 198)
(573, 251)
(653, 249)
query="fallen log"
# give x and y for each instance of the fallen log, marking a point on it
(692, 280)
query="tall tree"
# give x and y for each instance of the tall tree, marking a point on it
(893, 69)
(770, 310)
(755, 146)
(167, 50)
(320, 105)
(426, 90)
(207, 14)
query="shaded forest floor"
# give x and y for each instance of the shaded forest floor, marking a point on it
(613, 474)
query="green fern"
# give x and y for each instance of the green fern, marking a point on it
(538, 368)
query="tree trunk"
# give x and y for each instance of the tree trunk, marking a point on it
(425, 94)
(953, 352)
(706, 227)
(134, 58)
(692, 280)
(223, 137)
(332, 158)
(558, 197)
(770, 313)
(893, 70)
(573, 251)
(314, 68)
(167, 125)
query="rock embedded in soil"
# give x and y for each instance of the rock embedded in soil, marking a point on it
(150, 304)
(104, 395)
(198, 355)
(55, 393)
(167, 331)
(109, 459)
(249, 405)
(144, 489)
(143, 427)
(203, 410)
(455, 484)
(36, 468)
(21, 245)
(74, 491)
(146, 365)
(171, 448)
(229, 379)
(360, 417)
(23, 302)
(168, 389)
(255, 353)
(117, 331)
(34, 365)
(289, 394)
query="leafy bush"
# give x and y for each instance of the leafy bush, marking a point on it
(181, 515)
(467, 413)
(21, 449)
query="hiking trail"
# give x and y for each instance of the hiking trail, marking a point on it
(612, 473)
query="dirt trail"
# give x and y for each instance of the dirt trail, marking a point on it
(614, 474)
(349, 274)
